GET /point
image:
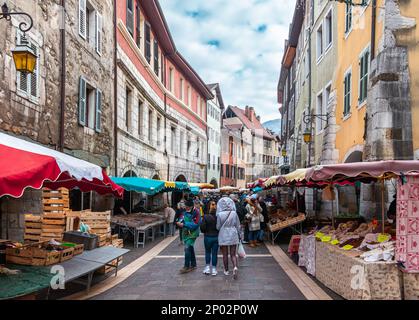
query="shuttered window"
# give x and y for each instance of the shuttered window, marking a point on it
(27, 83)
(138, 25)
(348, 18)
(82, 101)
(130, 17)
(156, 58)
(99, 31)
(82, 19)
(347, 94)
(147, 40)
(363, 76)
(98, 115)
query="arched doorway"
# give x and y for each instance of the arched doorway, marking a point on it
(127, 202)
(156, 201)
(214, 183)
(177, 196)
(349, 197)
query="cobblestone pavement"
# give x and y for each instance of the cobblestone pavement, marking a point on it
(260, 277)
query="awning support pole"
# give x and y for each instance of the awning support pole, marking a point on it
(382, 205)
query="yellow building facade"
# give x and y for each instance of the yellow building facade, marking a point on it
(354, 42)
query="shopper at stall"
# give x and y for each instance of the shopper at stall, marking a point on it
(209, 229)
(228, 225)
(169, 215)
(392, 210)
(265, 219)
(179, 213)
(254, 217)
(189, 222)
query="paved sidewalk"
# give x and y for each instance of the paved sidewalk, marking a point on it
(260, 277)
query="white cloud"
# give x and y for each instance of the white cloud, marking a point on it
(247, 63)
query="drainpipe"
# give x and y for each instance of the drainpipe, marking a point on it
(115, 91)
(373, 28)
(63, 79)
(310, 83)
(165, 119)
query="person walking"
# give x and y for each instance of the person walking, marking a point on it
(254, 217)
(228, 225)
(209, 229)
(189, 223)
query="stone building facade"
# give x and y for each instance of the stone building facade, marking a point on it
(30, 104)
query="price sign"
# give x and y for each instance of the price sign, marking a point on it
(334, 242)
(382, 237)
(326, 238)
(347, 247)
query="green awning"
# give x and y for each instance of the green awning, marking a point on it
(195, 190)
(177, 186)
(148, 186)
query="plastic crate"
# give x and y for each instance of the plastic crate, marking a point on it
(89, 241)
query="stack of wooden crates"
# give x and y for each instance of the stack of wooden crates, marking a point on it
(99, 223)
(56, 203)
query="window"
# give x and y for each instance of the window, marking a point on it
(198, 105)
(319, 110)
(347, 93)
(99, 31)
(140, 118)
(326, 98)
(319, 42)
(147, 40)
(128, 97)
(150, 126)
(181, 146)
(348, 18)
(156, 57)
(197, 148)
(189, 96)
(158, 131)
(173, 141)
(82, 19)
(188, 147)
(138, 24)
(329, 29)
(213, 163)
(27, 83)
(90, 106)
(171, 80)
(363, 75)
(130, 17)
(181, 90)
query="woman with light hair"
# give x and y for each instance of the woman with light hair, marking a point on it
(228, 225)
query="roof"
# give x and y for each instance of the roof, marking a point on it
(158, 21)
(216, 87)
(254, 125)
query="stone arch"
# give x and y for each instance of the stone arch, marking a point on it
(177, 196)
(354, 154)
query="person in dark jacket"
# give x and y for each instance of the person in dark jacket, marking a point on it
(209, 229)
(265, 219)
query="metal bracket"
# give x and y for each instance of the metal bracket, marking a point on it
(23, 26)
(309, 117)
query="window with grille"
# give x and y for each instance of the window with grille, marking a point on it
(28, 83)
(138, 25)
(363, 75)
(156, 58)
(147, 42)
(130, 17)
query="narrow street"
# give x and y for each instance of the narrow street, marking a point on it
(262, 275)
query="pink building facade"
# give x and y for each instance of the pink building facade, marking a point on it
(160, 101)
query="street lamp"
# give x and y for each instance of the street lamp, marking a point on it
(284, 152)
(23, 55)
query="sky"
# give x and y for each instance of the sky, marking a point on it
(237, 43)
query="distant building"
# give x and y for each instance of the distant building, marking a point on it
(215, 108)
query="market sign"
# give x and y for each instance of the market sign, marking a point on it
(146, 164)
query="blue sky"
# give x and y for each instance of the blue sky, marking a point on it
(238, 43)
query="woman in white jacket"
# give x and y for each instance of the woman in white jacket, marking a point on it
(228, 224)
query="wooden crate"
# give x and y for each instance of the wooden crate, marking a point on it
(99, 223)
(119, 243)
(66, 254)
(53, 226)
(42, 257)
(56, 200)
(107, 269)
(33, 228)
(32, 254)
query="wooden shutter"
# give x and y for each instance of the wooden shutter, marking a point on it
(82, 19)
(130, 17)
(82, 101)
(34, 76)
(98, 118)
(156, 58)
(147, 42)
(138, 24)
(99, 33)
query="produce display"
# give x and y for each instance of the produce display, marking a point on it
(136, 220)
(363, 239)
(282, 219)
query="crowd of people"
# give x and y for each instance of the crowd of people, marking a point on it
(226, 222)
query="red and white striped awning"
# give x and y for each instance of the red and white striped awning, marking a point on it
(28, 165)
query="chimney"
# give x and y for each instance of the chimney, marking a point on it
(246, 111)
(258, 117)
(251, 114)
